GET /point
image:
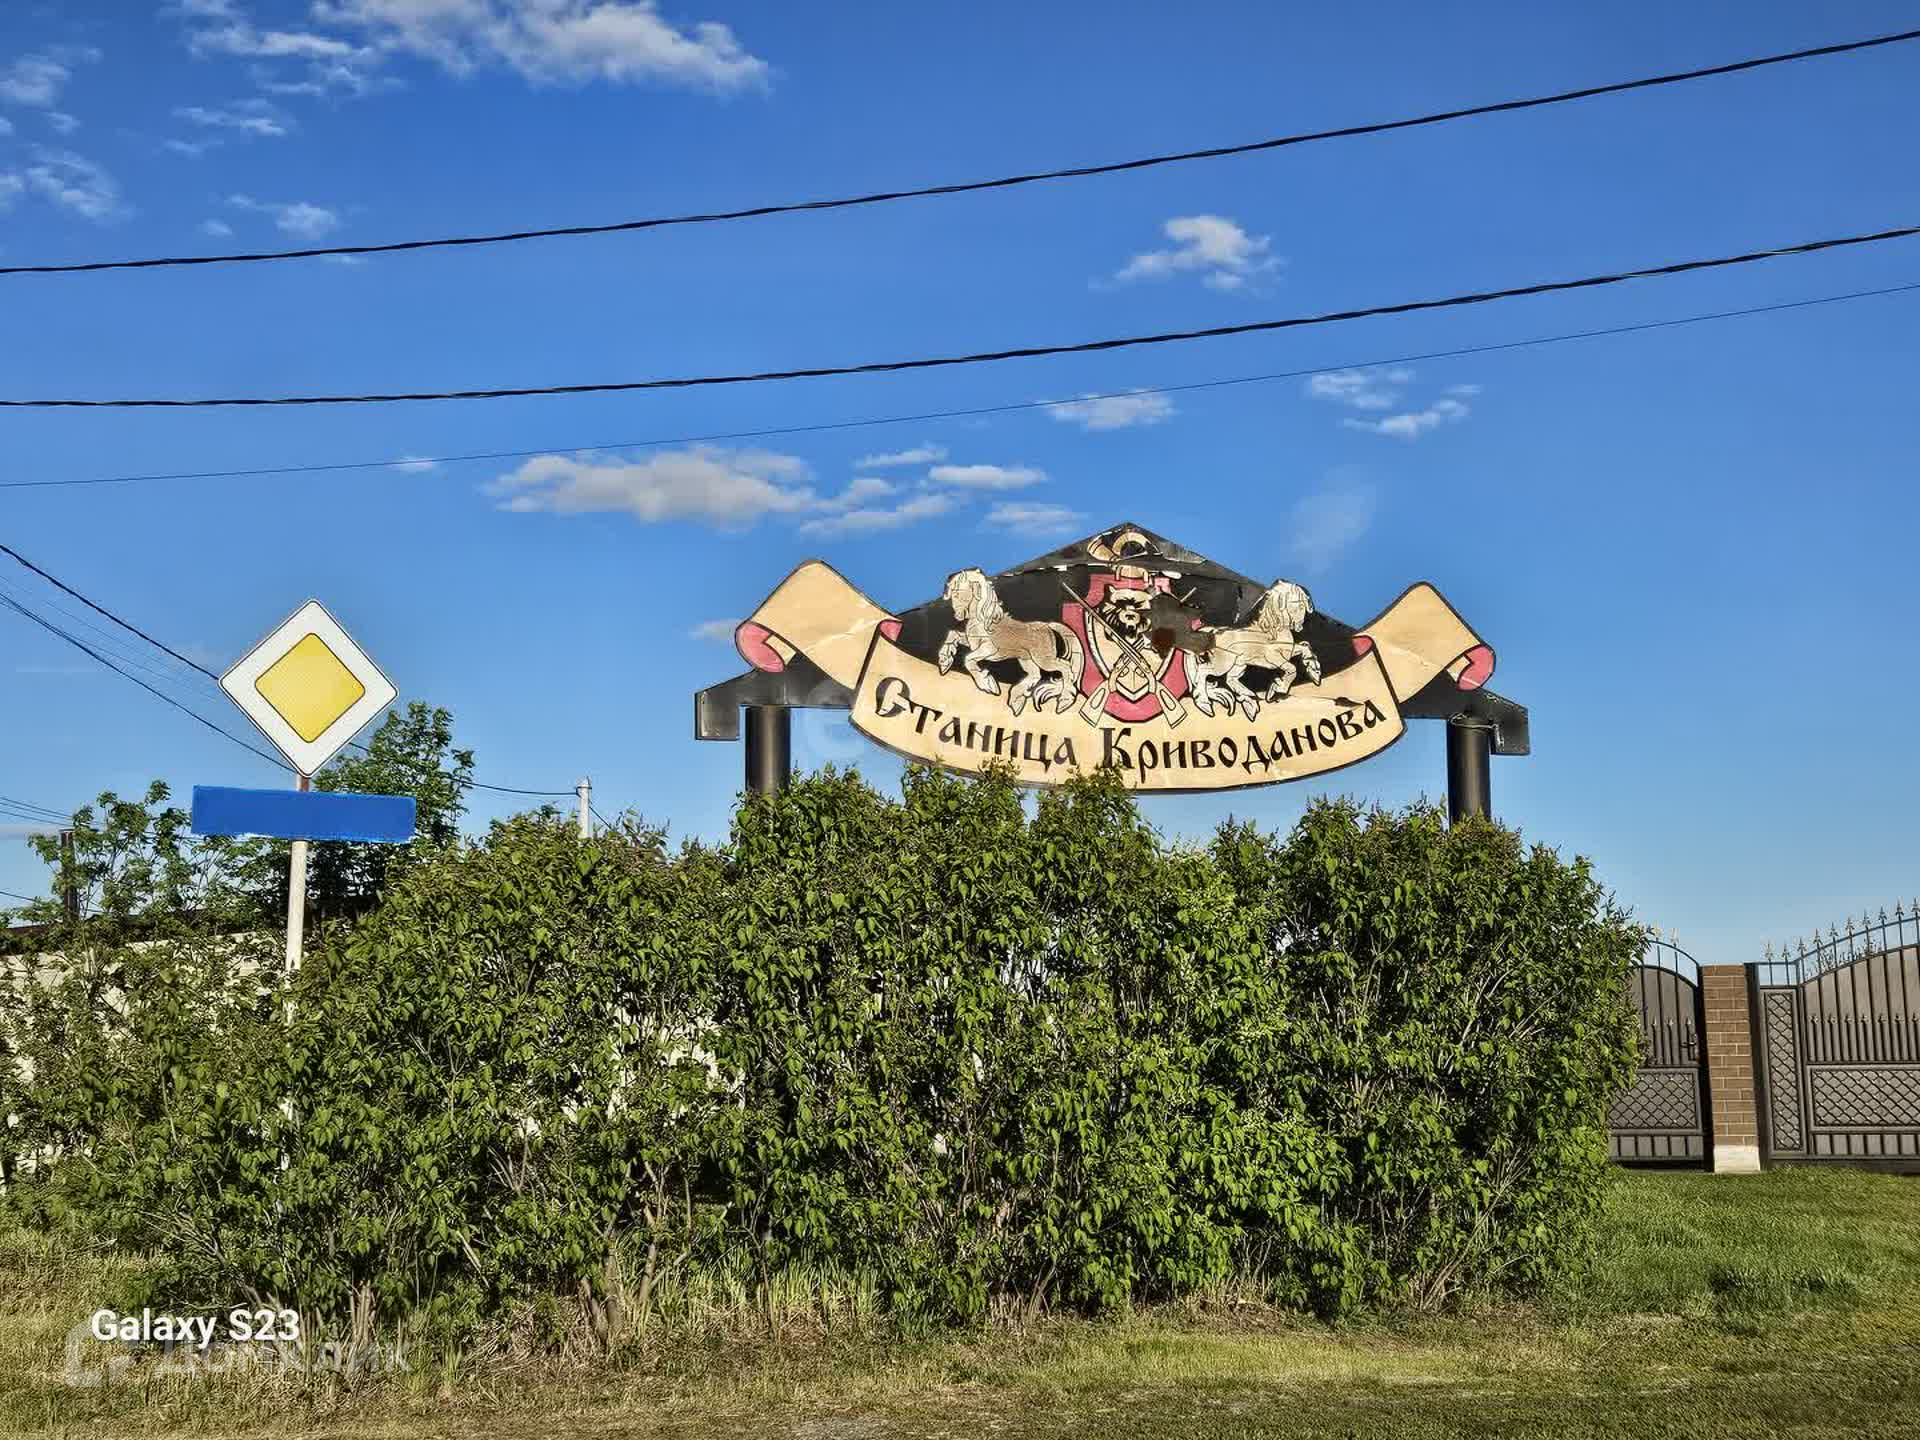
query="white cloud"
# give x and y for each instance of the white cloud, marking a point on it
(240, 37)
(10, 187)
(295, 217)
(552, 41)
(38, 79)
(1024, 518)
(1324, 523)
(721, 630)
(414, 465)
(867, 520)
(1377, 390)
(1412, 424)
(62, 123)
(1113, 412)
(74, 183)
(193, 149)
(729, 489)
(6, 126)
(986, 477)
(860, 489)
(1362, 389)
(218, 229)
(919, 455)
(1226, 256)
(247, 117)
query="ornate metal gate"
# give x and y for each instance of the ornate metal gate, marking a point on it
(1839, 1030)
(1662, 1119)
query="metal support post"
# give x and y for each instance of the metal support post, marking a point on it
(1469, 761)
(769, 748)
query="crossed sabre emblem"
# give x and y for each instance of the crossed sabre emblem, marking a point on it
(1096, 705)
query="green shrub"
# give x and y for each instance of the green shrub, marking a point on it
(972, 1053)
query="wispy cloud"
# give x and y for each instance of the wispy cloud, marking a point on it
(295, 217)
(246, 117)
(38, 79)
(62, 123)
(414, 465)
(1223, 254)
(1362, 389)
(1038, 521)
(1324, 523)
(1412, 424)
(986, 477)
(1381, 390)
(1113, 412)
(345, 46)
(728, 489)
(218, 229)
(74, 183)
(866, 520)
(718, 630)
(918, 455)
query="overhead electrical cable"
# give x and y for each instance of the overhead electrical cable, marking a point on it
(14, 803)
(1028, 352)
(1005, 182)
(925, 416)
(71, 639)
(190, 663)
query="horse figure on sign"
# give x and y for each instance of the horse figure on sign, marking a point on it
(1270, 642)
(1048, 653)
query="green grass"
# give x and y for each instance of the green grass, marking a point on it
(1716, 1306)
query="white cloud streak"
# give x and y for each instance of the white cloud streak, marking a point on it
(918, 455)
(1038, 521)
(986, 477)
(1224, 255)
(868, 520)
(245, 117)
(74, 183)
(715, 630)
(1113, 412)
(1323, 524)
(301, 218)
(728, 489)
(1412, 424)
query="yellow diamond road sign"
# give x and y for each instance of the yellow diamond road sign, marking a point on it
(308, 687)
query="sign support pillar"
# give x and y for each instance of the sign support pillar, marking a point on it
(584, 793)
(297, 898)
(1469, 767)
(769, 748)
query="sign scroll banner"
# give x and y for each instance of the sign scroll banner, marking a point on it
(1200, 707)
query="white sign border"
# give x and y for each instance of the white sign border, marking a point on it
(240, 683)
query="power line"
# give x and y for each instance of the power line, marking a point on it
(1005, 182)
(18, 804)
(48, 625)
(926, 416)
(191, 664)
(1084, 347)
(16, 895)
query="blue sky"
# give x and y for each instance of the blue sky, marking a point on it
(1691, 548)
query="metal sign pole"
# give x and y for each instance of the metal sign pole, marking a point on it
(769, 748)
(296, 900)
(1469, 767)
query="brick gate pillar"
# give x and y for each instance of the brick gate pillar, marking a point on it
(1730, 1080)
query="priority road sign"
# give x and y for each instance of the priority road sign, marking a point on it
(308, 687)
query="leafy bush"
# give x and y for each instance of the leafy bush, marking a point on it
(986, 1056)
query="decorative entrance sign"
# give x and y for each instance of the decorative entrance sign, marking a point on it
(1123, 651)
(308, 687)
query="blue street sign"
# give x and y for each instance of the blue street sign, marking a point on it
(302, 814)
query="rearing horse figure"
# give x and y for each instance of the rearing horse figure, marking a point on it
(1270, 642)
(1048, 653)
